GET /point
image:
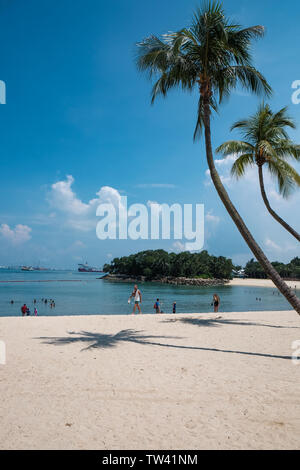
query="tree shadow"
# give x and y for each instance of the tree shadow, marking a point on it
(218, 321)
(102, 341)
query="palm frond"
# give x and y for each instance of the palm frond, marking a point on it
(286, 149)
(235, 147)
(285, 175)
(241, 163)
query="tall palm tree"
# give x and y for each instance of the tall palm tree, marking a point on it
(212, 55)
(266, 143)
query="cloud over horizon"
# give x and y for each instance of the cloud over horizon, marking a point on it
(79, 215)
(19, 234)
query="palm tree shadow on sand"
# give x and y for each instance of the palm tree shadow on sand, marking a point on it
(219, 321)
(102, 341)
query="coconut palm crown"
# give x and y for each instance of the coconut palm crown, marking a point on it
(213, 53)
(266, 144)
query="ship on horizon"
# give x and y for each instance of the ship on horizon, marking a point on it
(27, 268)
(85, 268)
(33, 268)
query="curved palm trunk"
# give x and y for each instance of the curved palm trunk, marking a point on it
(272, 212)
(254, 247)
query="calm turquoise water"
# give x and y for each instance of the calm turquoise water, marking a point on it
(83, 294)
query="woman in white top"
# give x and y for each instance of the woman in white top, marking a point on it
(136, 293)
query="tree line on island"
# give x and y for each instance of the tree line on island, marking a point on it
(157, 264)
(290, 270)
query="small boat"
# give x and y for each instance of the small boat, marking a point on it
(85, 268)
(27, 268)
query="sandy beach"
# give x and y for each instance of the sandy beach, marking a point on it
(260, 283)
(209, 381)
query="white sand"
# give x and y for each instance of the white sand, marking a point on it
(153, 382)
(260, 283)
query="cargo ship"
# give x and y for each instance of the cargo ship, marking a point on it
(85, 268)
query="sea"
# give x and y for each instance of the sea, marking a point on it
(76, 293)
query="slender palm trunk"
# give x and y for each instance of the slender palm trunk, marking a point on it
(272, 212)
(254, 247)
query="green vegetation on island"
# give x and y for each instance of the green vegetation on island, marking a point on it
(155, 264)
(290, 270)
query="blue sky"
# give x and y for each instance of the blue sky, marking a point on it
(77, 106)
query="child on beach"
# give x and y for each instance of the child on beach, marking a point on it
(35, 311)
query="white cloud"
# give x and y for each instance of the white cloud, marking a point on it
(225, 162)
(270, 244)
(179, 246)
(275, 196)
(109, 195)
(285, 247)
(209, 217)
(64, 198)
(80, 215)
(20, 234)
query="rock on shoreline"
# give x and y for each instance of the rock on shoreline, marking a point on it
(177, 281)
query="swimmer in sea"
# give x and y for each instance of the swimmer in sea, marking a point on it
(216, 302)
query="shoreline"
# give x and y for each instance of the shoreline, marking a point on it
(175, 316)
(176, 281)
(199, 282)
(184, 381)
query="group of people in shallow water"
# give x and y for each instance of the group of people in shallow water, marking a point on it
(25, 310)
(137, 296)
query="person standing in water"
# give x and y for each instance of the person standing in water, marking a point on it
(174, 307)
(156, 306)
(23, 310)
(35, 311)
(136, 293)
(216, 302)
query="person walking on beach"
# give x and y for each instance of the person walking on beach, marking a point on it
(136, 293)
(216, 302)
(35, 311)
(157, 306)
(174, 307)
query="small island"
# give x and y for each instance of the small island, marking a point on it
(189, 269)
(195, 269)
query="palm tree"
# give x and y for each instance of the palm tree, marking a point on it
(266, 143)
(212, 55)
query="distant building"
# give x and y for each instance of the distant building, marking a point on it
(239, 273)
